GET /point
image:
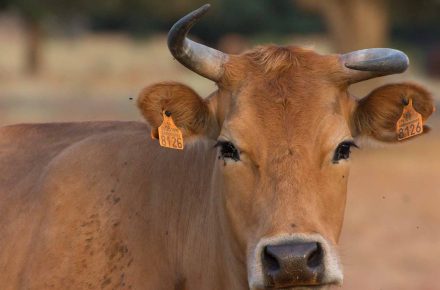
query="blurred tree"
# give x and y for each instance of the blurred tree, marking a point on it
(246, 17)
(353, 24)
(416, 20)
(34, 12)
(31, 13)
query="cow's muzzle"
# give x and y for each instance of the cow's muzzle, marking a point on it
(288, 261)
(293, 264)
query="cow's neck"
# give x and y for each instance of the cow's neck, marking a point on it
(206, 248)
(230, 253)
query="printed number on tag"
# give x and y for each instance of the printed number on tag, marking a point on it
(169, 135)
(410, 123)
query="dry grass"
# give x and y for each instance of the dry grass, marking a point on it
(87, 78)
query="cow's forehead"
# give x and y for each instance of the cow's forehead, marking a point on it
(273, 66)
(287, 81)
(286, 98)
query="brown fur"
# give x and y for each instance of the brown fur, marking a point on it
(276, 61)
(102, 206)
(273, 58)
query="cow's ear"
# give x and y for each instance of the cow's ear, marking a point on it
(377, 114)
(191, 114)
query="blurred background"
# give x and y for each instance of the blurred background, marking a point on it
(75, 60)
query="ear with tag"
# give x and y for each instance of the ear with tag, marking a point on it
(377, 115)
(189, 112)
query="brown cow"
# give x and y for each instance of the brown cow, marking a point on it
(255, 201)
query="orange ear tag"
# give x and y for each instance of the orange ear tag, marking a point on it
(169, 135)
(410, 123)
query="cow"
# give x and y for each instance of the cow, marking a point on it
(255, 200)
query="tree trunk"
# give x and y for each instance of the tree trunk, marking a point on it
(33, 46)
(353, 24)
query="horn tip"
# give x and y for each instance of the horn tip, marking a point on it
(402, 61)
(203, 9)
(406, 60)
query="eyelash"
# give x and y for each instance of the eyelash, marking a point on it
(228, 150)
(342, 152)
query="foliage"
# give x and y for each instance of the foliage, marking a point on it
(416, 20)
(247, 17)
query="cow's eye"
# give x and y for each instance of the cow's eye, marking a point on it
(343, 151)
(228, 150)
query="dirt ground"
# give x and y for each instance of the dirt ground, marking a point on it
(391, 236)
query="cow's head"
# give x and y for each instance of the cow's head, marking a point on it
(284, 124)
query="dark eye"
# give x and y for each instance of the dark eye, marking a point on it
(343, 151)
(228, 150)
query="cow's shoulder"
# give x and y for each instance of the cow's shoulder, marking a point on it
(77, 187)
(27, 149)
(67, 131)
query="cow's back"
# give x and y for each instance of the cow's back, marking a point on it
(85, 205)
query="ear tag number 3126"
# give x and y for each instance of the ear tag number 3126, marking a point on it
(410, 123)
(169, 135)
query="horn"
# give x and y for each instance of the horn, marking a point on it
(201, 59)
(373, 62)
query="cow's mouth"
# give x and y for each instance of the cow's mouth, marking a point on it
(315, 287)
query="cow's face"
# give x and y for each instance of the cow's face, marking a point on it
(284, 125)
(284, 148)
(284, 143)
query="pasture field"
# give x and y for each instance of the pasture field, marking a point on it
(391, 236)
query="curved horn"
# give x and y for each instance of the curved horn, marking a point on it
(201, 59)
(374, 62)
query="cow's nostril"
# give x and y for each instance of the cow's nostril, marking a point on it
(270, 261)
(314, 260)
